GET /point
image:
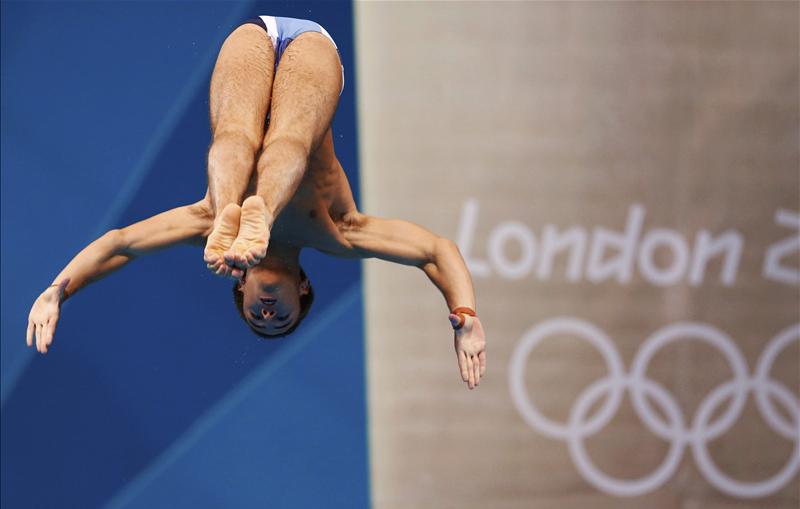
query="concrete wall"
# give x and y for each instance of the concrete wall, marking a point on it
(651, 360)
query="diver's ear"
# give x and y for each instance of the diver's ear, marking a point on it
(305, 287)
(240, 283)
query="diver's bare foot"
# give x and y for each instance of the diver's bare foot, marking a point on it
(250, 246)
(226, 227)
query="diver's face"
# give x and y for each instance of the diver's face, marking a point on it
(271, 299)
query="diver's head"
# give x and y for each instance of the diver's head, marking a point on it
(274, 296)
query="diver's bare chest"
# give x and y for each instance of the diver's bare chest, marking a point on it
(304, 224)
(307, 221)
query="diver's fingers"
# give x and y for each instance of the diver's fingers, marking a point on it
(470, 372)
(51, 330)
(29, 334)
(38, 333)
(462, 365)
(45, 328)
(220, 270)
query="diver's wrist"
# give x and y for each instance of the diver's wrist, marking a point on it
(462, 312)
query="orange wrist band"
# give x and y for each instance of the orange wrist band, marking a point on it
(460, 312)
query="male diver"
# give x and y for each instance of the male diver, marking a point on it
(275, 187)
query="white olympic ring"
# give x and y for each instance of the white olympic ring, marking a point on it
(643, 390)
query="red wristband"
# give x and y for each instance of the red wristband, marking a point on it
(460, 312)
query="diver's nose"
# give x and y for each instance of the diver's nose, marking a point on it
(267, 313)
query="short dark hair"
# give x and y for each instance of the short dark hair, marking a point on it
(305, 304)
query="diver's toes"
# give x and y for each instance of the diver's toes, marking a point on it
(258, 252)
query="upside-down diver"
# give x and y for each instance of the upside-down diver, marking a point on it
(275, 187)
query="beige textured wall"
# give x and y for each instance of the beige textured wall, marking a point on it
(499, 124)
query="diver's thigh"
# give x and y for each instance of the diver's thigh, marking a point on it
(305, 91)
(241, 82)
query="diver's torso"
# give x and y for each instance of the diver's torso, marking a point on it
(309, 219)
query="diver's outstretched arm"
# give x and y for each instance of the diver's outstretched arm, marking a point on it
(410, 244)
(110, 252)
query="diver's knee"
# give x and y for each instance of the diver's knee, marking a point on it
(288, 146)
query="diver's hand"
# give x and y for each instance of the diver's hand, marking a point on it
(43, 317)
(470, 343)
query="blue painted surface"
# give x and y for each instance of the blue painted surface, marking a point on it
(106, 104)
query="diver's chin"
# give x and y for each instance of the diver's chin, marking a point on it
(269, 278)
(276, 265)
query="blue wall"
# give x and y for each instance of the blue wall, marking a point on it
(154, 393)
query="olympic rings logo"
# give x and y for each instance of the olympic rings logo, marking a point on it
(674, 429)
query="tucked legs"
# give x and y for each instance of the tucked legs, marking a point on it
(239, 98)
(304, 98)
